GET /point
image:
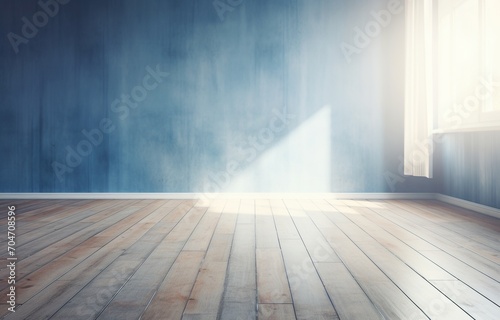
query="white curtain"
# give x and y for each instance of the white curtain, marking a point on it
(418, 89)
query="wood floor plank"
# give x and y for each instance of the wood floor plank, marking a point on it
(67, 211)
(271, 277)
(71, 223)
(207, 291)
(203, 233)
(173, 293)
(60, 222)
(27, 215)
(484, 259)
(400, 249)
(39, 279)
(57, 249)
(28, 208)
(64, 282)
(436, 234)
(228, 218)
(206, 296)
(483, 284)
(473, 231)
(317, 246)
(243, 259)
(96, 295)
(238, 311)
(366, 208)
(93, 297)
(446, 260)
(386, 296)
(476, 305)
(423, 213)
(247, 211)
(265, 229)
(239, 298)
(463, 214)
(284, 223)
(310, 299)
(349, 299)
(420, 291)
(276, 312)
(135, 295)
(416, 287)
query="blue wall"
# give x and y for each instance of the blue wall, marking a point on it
(215, 121)
(467, 166)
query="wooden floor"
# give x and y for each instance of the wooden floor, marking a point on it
(247, 259)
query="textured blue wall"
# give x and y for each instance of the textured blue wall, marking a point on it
(467, 167)
(247, 88)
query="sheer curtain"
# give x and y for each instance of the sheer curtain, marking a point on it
(418, 89)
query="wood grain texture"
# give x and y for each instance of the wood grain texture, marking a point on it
(255, 259)
(347, 296)
(271, 277)
(276, 312)
(239, 299)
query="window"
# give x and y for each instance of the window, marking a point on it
(467, 78)
(452, 80)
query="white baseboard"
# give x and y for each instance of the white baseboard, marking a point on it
(494, 212)
(121, 196)
(490, 211)
(318, 195)
(96, 196)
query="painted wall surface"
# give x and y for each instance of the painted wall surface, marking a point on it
(202, 96)
(467, 167)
